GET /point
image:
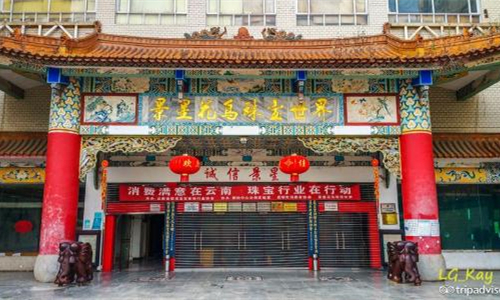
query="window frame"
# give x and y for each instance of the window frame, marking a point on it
(354, 15)
(48, 14)
(484, 196)
(397, 15)
(249, 15)
(128, 13)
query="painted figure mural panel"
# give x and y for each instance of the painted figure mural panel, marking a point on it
(110, 109)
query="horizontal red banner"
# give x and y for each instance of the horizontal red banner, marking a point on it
(288, 192)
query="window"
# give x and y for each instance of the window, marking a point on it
(48, 10)
(161, 12)
(332, 12)
(434, 11)
(20, 203)
(241, 12)
(469, 216)
(23, 203)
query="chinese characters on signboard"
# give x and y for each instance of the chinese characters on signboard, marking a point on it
(235, 174)
(238, 109)
(305, 191)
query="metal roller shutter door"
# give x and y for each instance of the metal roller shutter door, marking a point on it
(344, 235)
(344, 240)
(236, 239)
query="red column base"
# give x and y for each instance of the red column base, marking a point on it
(109, 243)
(172, 264)
(311, 263)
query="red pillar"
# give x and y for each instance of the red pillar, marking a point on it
(108, 251)
(60, 198)
(420, 203)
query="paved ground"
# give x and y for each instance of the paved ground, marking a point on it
(233, 284)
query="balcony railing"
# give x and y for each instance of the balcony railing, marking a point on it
(429, 18)
(409, 31)
(40, 17)
(73, 25)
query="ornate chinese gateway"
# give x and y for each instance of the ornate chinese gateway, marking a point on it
(357, 109)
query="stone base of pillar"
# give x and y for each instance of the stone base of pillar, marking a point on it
(430, 265)
(46, 268)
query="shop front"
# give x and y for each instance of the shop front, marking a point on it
(123, 107)
(209, 223)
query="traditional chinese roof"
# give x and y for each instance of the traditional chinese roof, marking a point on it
(16, 144)
(380, 51)
(466, 146)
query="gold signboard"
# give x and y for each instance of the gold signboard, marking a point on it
(238, 109)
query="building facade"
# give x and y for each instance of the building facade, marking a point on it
(240, 98)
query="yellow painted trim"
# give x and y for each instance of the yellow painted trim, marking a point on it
(22, 175)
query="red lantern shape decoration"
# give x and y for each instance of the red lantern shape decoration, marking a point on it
(23, 226)
(184, 165)
(294, 165)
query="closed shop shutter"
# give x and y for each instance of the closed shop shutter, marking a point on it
(241, 239)
(348, 233)
(343, 239)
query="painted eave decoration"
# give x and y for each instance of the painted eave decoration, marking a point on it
(383, 51)
(23, 145)
(447, 145)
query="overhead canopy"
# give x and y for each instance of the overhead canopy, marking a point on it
(466, 145)
(381, 51)
(21, 144)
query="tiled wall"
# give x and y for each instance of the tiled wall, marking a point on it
(479, 114)
(28, 114)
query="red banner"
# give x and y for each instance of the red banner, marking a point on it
(288, 192)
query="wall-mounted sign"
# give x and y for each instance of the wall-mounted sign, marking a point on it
(207, 207)
(264, 206)
(331, 206)
(249, 207)
(220, 206)
(234, 206)
(417, 227)
(390, 218)
(93, 237)
(153, 207)
(389, 214)
(290, 207)
(191, 207)
(277, 206)
(387, 207)
(97, 223)
(159, 110)
(288, 192)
